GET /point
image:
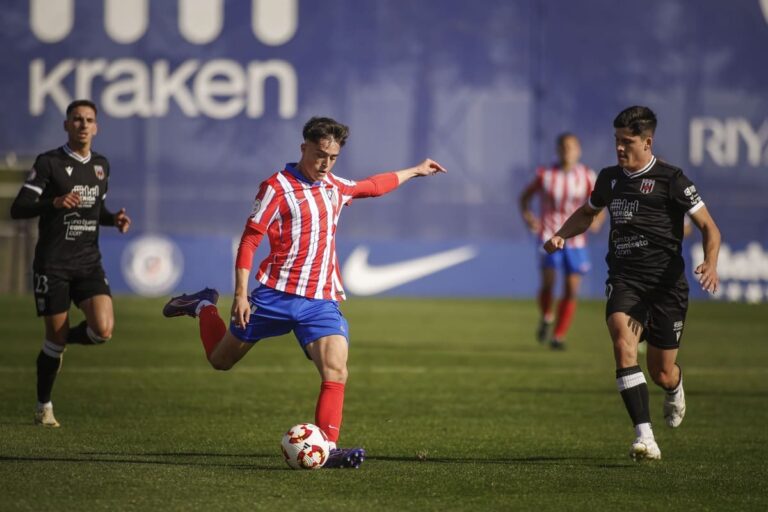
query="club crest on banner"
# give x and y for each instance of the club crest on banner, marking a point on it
(647, 186)
(99, 170)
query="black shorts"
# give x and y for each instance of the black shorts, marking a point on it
(660, 309)
(55, 290)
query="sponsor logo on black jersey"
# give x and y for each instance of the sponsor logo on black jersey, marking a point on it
(88, 195)
(622, 210)
(77, 226)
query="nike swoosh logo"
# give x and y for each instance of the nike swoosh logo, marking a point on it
(361, 278)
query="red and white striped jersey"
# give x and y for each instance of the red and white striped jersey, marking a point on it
(300, 219)
(560, 194)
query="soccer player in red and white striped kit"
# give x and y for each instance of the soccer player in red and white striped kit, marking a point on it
(562, 188)
(299, 286)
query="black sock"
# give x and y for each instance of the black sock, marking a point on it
(634, 391)
(47, 369)
(79, 335)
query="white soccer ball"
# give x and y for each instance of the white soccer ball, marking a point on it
(305, 446)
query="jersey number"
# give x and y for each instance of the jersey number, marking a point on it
(41, 284)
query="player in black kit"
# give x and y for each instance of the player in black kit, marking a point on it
(646, 288)
(66, 189)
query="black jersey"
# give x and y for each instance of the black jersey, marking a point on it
(647, 210)
(68, 238)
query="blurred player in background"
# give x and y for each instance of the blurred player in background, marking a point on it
(67, 189)
(561, 190)
(299, 285)
(647, 290)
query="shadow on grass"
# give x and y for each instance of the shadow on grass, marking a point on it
(150, 458)
(599, 462)
(141, 458)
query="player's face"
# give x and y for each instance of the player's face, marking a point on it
(318, 158)
(633, 152)
(569, 152)
(81, 126)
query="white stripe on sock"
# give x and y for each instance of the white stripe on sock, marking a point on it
(52, 349)
(201, 305)
(94, 337)
(630, 381)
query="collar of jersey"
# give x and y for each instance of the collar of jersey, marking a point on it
(291, 168)
(76, 156)
(641, 171)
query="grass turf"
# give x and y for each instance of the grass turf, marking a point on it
(458, 408)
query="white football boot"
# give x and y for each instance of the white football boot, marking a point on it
(44, 417)
(645, 449)
(674, 407)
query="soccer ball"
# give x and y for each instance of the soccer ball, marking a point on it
(305, 446)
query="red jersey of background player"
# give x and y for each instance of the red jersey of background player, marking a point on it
(561, 193)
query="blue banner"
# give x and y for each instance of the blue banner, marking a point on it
(200, 101)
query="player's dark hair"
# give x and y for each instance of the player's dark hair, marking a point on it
(565, 135)
(82, 103)
(319, 128)
(638, 119)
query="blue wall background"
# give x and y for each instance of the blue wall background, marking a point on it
(483, 87)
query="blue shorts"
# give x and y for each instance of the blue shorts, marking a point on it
(274, 313)
(571, 260)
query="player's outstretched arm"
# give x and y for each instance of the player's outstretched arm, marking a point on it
(384, 183)
(576, 224)
(426, 168)
(710, 240)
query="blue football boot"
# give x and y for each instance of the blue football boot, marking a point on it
(345, 458)
(187, 304)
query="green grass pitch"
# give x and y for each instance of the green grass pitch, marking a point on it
(457, 405)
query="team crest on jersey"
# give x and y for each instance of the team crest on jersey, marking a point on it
(647, 186)
(331, 193)
(99, 170)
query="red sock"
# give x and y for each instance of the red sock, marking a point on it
(329, 406)
(545, 304)
(565, 311)
(212, 328)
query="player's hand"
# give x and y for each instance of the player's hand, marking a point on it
(428, 167)
(554, 244)
(122, 221)
(241, 311)
(708, 278)
(68, 201)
